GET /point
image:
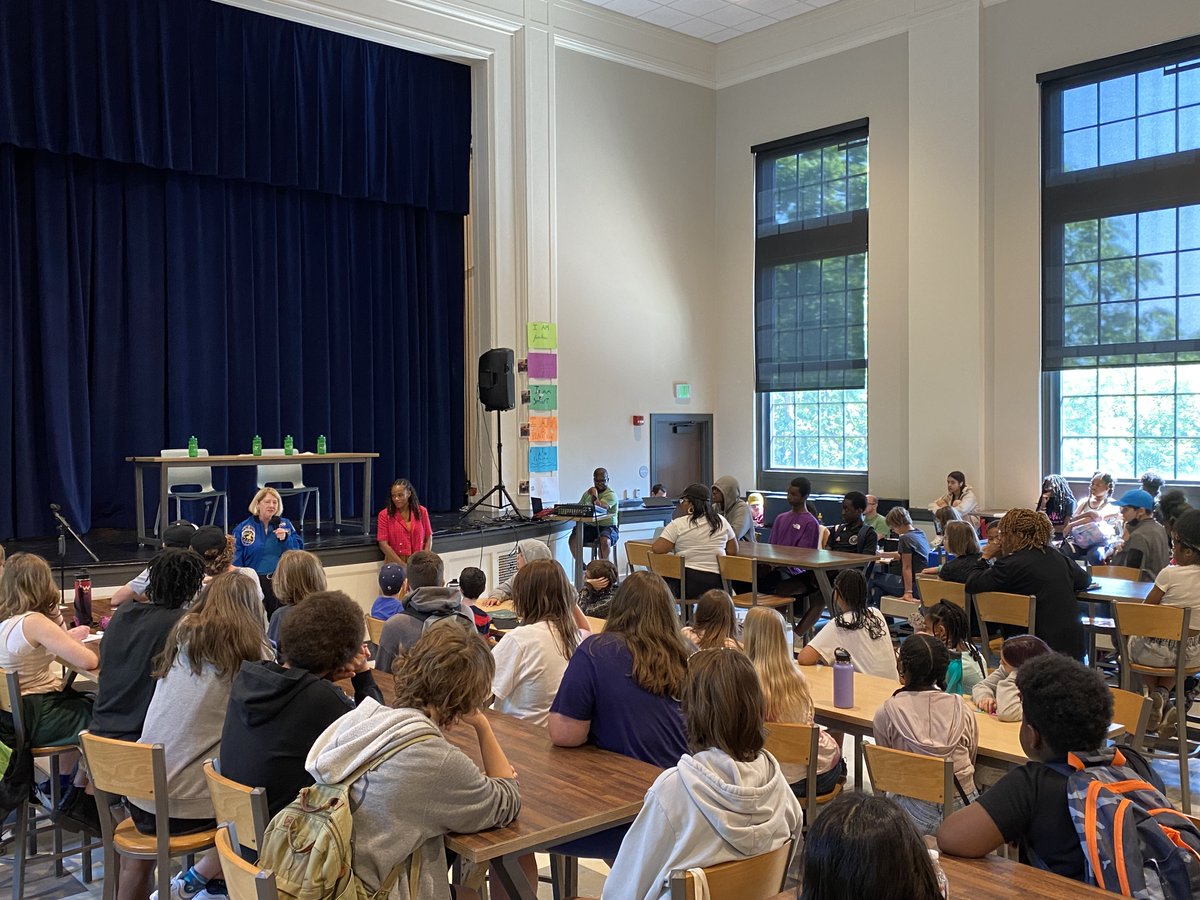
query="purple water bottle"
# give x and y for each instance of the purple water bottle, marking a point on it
(843, 679)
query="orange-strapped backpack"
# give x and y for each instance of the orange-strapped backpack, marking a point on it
(1136, 844)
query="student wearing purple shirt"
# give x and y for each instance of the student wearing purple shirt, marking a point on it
(795, 528)
(620, 690)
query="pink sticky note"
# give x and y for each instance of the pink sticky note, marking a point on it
(543, 365)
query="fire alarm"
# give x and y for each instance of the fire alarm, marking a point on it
(639, 420)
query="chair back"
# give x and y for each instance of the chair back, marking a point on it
(739, 568)
(125, 768)
(244, 880)
(755, 878)
(637, 553)
(374, 629)
(915, 775)
(1126, 573)
(292, 476)
(197, 475)
(999, 608)
(793, 744)
(10, 702)
(596, 624)
(1152, 620)
(1131, 711)
(667, 565)
(933, 590)
(243, 808)
(898, 607)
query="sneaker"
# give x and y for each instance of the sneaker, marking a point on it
(179, 891)
(77, 812)
(1157, 700)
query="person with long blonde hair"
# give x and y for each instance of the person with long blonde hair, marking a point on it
(195, 672)
(713, 623)
(298, 574)
(785, 693)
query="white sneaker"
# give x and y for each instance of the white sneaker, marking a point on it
(178, 892)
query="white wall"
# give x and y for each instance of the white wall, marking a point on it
(635, 242)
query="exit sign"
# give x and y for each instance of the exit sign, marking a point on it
(683, 390)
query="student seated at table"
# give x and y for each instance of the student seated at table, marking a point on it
(429, 599)
(1093, 529)
(1026, 563)
(621, 688)
(1057, 502)
(600, 580)
(276, 711)
(757, 507)
(922, 718)
(727, 500)
(714, 624)
(997, 694)
(407, 804)
(178, 535)
(700, 534)
(858, 628)
(1177, 585)
(910, 557)
(1067, 709)
(136, 634)
(298, 575)
(948, 623)
(853, 534)
(798, 527)
(961, 496)
(531, 659)
(1144, 544)
(850, 833)
(872, 517)
(195, 671)
(962, 543)
(528, 550)
(216, 550)
(943, 516)
(725, 799)
(393, 585)
(786, 697)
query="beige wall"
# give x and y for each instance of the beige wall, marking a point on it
(635, 248)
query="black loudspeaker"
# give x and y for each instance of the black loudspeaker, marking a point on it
(497, 387)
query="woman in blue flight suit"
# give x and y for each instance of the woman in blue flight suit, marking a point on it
(260, 540)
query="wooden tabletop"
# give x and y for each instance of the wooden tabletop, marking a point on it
(1113, 590)
(803, 557)
(566, 793)
(247, 459)
(999, 742)
(993, 878)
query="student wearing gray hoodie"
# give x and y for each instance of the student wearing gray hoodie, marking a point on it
(429, 599)
(922, 718)
(411, 800)
(727, 498)
(727, 798)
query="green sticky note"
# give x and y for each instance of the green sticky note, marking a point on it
(543, 336)
(543, 396)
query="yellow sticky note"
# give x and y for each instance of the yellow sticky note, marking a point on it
(543, 336)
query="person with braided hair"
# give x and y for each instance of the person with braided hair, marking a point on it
(1024, 562)
(922, 718)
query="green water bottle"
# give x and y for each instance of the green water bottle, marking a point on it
(256, 446)
(320, 445)
(193, 447)
(288, 446)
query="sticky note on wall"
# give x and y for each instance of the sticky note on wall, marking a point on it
(542, 335)
(543, 396)
(543, 365)
(543, 428)
(543, 459)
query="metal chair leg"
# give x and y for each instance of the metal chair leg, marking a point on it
(20, 850)
(55, 799)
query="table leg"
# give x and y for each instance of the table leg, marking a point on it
(366, 507)
(512, 877)
(578, 539)
(139, 494)
(164, 500)
(858, 763)
(337, 497)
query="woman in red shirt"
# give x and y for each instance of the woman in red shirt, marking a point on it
(403, 527)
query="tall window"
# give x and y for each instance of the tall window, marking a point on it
(1121, 264)
(810, 310)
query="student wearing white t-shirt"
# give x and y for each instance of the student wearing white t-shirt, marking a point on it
(860, 629)
(699, 534)
(531, 659)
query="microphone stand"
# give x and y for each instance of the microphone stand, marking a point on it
(64, 528)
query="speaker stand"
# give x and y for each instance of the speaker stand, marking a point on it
(504, 498)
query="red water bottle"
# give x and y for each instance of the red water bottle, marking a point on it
(83, 599)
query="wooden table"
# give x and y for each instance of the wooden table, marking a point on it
(166, 463)
(1117, 590)
(566, 793)
(994, 878)
(818, 561)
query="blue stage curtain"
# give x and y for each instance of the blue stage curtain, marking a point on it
(168, 268)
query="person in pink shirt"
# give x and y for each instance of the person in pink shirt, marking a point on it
(403, 527)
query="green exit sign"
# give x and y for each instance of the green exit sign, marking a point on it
(683, 390)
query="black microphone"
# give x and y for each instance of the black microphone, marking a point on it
(275, 522)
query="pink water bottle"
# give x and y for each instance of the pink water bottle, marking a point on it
(843, 679)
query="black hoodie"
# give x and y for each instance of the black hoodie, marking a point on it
(274, 716)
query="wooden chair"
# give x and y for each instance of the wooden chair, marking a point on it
(31, 820)
(914, 775)
(245, 881)
(793, 744)
(1131, 711)
(137, 771)
(999, 608)
(1125, 573)
(374, 629)
(745, 569)
(637, 554)
(756, 878)
(933, 590)
(243, 808)
(668, 565)
(897, 608)
(1172, 623)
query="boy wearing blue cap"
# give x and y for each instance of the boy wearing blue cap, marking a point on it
(1144, 545)
(392, 579)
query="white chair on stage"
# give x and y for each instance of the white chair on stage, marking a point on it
(197, 477)
(291, 476)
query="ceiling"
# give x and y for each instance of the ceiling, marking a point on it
(712, 20)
